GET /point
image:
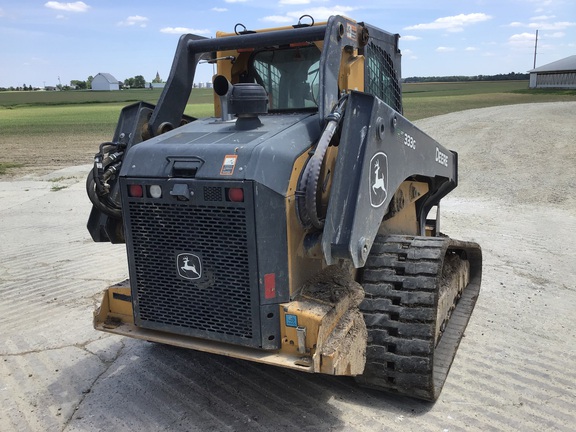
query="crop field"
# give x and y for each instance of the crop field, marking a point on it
(430, 99)
(41, 113)
(41, 131)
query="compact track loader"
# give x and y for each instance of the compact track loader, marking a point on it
(300, 225)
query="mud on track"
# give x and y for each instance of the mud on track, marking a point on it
(515, 369)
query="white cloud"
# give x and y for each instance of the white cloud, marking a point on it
(235, 1)
(278, 19)
(78, 6)
(560, 25)
(183, 30)
(554, 35)
(319, 14)
(471, 49)
(521, 37)
(522, 40)
(134, 20)
(452, 23)
(408, 54)
(2, 13)
(542, 17)
(218, 9)
(322, 13)
(410, 38)
(445, 49)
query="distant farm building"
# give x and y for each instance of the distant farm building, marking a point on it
(558, 74)
(155, 85)
(105, 81)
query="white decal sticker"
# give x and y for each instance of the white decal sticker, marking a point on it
(378, 179)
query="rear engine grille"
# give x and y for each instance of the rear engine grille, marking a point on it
(212, 193)
(219, 304)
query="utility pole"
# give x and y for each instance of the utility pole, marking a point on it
(535, 49)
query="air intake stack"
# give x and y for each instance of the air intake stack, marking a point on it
(245, 100)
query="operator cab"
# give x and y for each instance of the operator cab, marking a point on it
(289, 75)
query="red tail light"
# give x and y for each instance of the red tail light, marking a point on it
(135, 191)
(236, 194)
(270, 285)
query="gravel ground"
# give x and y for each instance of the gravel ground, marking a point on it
(515, 369)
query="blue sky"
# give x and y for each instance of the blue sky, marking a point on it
(44, 41)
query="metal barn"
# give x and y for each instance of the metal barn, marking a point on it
(558, 74)
(105, 81)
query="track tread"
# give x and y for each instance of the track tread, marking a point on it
(401, 280)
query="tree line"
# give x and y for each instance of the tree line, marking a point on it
(137, 81)
(457, 78)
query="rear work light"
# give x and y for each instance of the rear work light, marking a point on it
(235, 194)
(135, 191)
(155, 191)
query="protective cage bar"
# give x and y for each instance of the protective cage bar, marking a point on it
(191, 49)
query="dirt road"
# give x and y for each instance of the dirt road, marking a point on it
(515, 369)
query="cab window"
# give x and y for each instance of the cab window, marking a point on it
(290, 76)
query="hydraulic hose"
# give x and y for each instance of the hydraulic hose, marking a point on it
(106, 165)
(99, 201)
(311, 174)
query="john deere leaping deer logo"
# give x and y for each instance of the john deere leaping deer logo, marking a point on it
(378, 179)
(189, 266)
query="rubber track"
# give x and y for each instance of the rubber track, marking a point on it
(401, 280)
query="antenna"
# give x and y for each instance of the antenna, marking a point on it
(535, 48)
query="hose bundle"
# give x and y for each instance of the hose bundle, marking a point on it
(107, 164)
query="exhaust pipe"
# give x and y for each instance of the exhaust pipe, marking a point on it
(223, 88)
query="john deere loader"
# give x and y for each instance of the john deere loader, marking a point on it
(300, 225)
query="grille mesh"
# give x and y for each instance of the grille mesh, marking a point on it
(381, 77)
(219, 302)
(212, 193)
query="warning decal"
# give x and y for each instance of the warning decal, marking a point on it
(228, 165)
(351, 31)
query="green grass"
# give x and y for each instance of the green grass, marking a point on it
(88, 112)
(429, 99)
(45, 129)
(59, 179)
(5, 166)
(546, 92)
(48, 120)
(35, 98)
(462, 88)
(57, 188)
(100, 118)
(81, 112)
